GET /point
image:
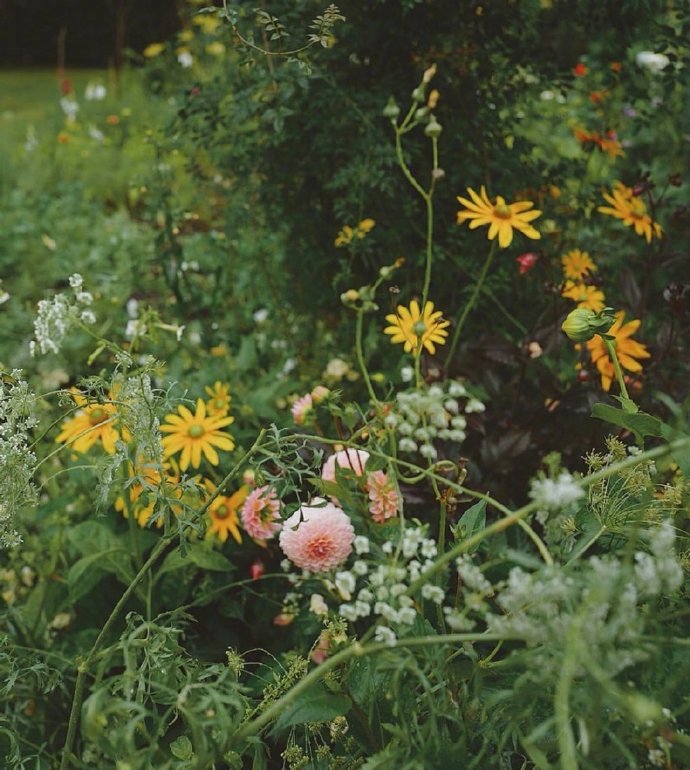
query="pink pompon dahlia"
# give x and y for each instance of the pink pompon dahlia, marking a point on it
(317, 539)
(302, 408)
(384, 497)
(354, 459)
(261, 513)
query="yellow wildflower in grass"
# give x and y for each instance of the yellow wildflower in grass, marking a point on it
(92, 423)
(223, 513)
(590, 297)
(194, 434)
(348, 234)
(153, 49)
(577, 264)
(627, 350)
(412, 327)
(501, 217)
(632, 211)
(218, 403)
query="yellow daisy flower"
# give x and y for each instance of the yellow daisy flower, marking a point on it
(591, 297)
(501, 217)
(632, 211)
(194, 434)
(218, 404)
(412, 327)
(627, 350)
(223, 513)
(577, 264)
(92, 423)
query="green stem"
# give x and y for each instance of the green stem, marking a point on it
(85, 664)
(356, 649)
(566, 740)
(616, 366)
(359, 351)
(473, 299)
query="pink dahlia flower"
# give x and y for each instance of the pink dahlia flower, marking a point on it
(385, 500)
(301, 409)
(317, 539)
(261, 513)
(354, 459)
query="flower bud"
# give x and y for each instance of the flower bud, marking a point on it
(582, 323)
(428, 74)
(418, 94)
(391, 110)
(421, 113)
(349, 297)
(433, 128)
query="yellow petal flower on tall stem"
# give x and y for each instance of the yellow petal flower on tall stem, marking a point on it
(223, 513)
(501, 217)
(195, 434)
(591, 297)
(577, 264)
(627, 350)
(92, 423)
(632, 211)
(218, 403)
(411, 327)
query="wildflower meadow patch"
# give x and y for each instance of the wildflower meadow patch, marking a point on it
(344, 418)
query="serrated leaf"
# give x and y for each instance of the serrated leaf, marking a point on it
(314, 705)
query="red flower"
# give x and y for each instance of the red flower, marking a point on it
(580, 69)
(257, 570)
(526, 262)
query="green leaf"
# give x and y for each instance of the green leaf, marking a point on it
(182, 748)
(90, 570)
(90, 536)
(314, 705)
(471, 522)
(640, 424)
(208, 559)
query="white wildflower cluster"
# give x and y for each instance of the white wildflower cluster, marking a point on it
(58, 315)
(94, 92)
(604, 600)
(17, 461)
(421, 417)
(554, 494)
(137, 413)
(475, 590)
(385, 589)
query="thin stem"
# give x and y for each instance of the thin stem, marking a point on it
(473, 299)
(360, 356)
(356, 649)
(85, 664)
(616, 366)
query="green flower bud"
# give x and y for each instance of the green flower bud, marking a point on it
(391, 110)
(433, 128)
(582, 324)
(421, 113)
(349, 297)
(418, 94)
